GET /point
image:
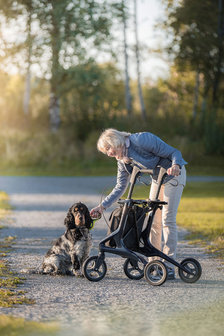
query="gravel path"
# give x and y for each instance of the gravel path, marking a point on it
(115, 305)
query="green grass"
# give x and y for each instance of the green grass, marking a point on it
(201, 212)
(82, 167)
(4, 206)
(11, 326)
(9, 295)
(101, 166)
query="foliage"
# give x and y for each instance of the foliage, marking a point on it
(195, 35)
(57, 35)
(197, 44)
(92, 99)
(60, 27)
(193, 22)
(92, 92)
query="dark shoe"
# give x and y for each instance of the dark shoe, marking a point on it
(170, 274)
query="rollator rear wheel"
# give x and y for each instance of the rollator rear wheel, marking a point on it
(155, 272)
(194, 267)
(93, 273)
(134, 269)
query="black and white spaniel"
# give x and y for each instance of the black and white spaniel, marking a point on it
(70, 250)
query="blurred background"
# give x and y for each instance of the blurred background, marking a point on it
(69, 69)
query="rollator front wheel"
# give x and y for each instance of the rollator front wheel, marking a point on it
(194, 267)
(155, 272)
(92, 271)
(134, 269)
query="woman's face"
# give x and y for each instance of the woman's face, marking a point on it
(115, 152)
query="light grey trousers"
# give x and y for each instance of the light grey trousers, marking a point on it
(164, 222)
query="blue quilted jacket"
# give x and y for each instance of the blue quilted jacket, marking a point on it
(148, 151)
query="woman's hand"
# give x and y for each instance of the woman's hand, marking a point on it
(174, 170)
(96, 212)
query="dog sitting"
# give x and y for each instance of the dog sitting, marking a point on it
(69, 252)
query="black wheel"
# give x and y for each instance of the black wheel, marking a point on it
(155, 272)
(194, 267)
(93, 273)
(134, 269)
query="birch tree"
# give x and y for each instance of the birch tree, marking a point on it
(66, 31)
(27, 91)
(137, 54)
(128, 96)
(20, 44)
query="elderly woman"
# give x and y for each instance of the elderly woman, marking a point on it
(147, 151)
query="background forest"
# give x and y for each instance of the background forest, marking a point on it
(61, 83)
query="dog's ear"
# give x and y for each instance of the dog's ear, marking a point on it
(88, 219)
(69, 220)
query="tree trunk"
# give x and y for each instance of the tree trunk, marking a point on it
(196, 93)
(54, 111)
(26, 98)
(220, 54)
(142, 105)
(128, 97)
(204, 102)
(54, 108)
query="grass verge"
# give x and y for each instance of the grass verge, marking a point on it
(4, 206)
(100, 166)
(84, 167)
(10, 295)
(201, 212)
(11, 326)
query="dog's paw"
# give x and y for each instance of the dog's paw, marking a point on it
(25, 271)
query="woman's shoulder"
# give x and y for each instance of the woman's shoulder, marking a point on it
(138, 138)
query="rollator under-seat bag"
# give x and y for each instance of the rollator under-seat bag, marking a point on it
(133, 228)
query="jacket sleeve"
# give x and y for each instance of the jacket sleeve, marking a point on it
(120, 187)
(151, 143)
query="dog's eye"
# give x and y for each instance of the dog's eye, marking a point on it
(81, 209)
(76, 209)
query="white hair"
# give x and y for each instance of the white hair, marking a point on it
(111, 138)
